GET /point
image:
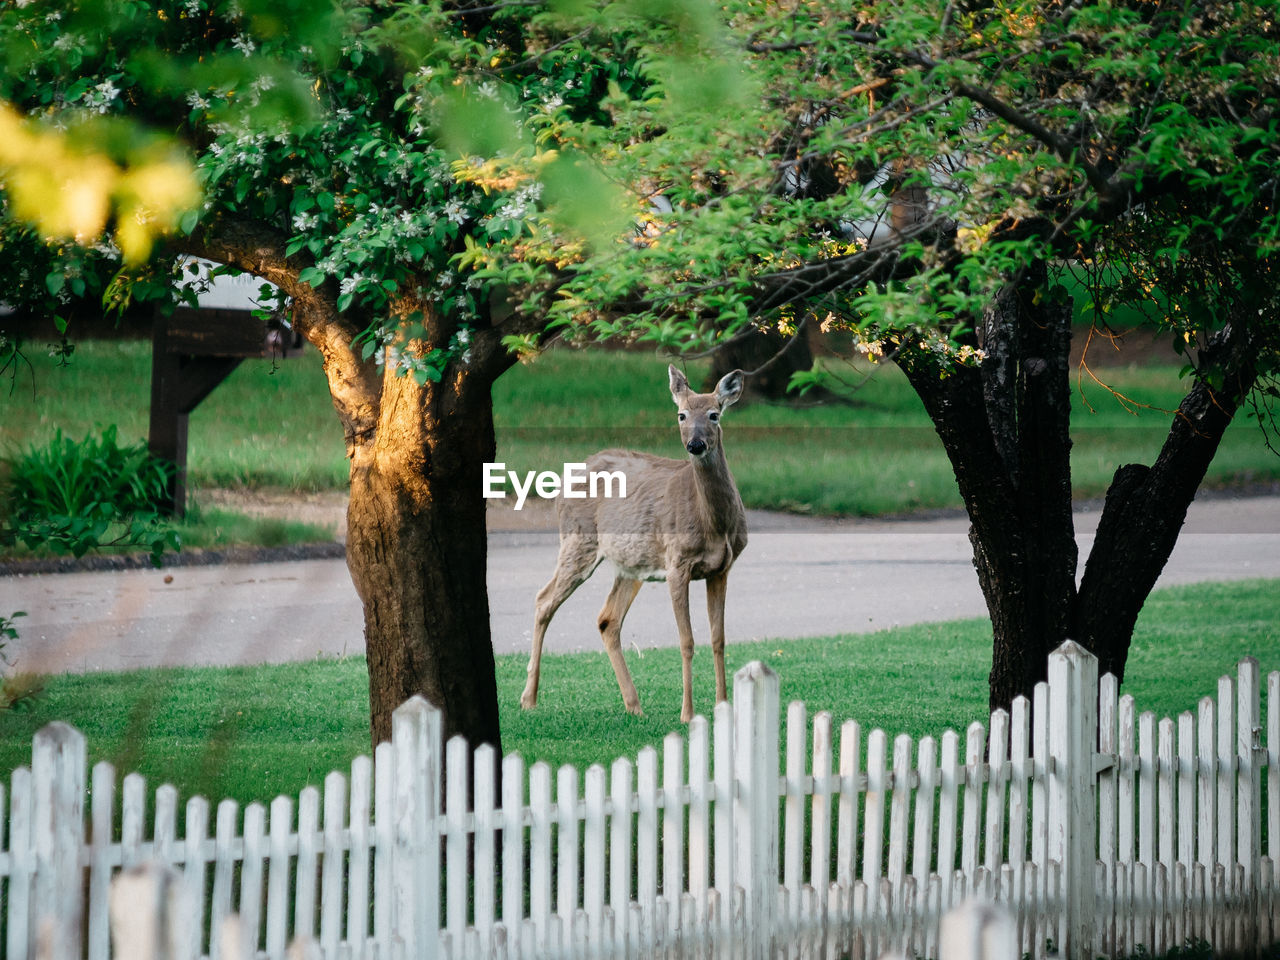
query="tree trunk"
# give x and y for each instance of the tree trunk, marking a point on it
(1146, 506)
(1005, 427)
(417, 543)
(417, 550)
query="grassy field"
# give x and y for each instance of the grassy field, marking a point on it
(273, 426)
(250, 733)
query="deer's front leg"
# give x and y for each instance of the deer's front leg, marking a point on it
(717, 586)
(678, 584)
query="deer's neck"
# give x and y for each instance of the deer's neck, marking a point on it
(719, 505)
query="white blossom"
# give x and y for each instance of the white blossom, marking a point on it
(456, 212)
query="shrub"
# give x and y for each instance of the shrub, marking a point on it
(75, 496)
(17, 691)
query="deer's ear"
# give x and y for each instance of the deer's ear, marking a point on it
(730, 387)
(679, 383)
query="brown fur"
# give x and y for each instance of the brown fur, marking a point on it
(681, 520)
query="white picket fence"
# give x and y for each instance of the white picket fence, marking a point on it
(1098, 829)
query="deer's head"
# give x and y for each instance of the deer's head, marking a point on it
(700, 412)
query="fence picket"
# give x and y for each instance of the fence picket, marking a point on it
(699, 846)
(513, 862)
(540, 851)
(1147, 790)
(567, 844)
(793, 806)
(331, 892)
(997, 781)
(647, 830)
(249, 903)
(384, 842)
(308, 864)
(1019, 772)
(974, 753)
(1108, 693)
(1040, 768)
(594, 852)
(873, 817)
(133, 814)
(457, 779)
(1165, 782)
(281, 825)
(195, 834)
(620, 834)
(899, 807)
(358, 857)
(1186, 791)
(1226, 773)
(948, 792)
(820, 811)
(1126, 796)
(1207, 777)
(673, 753)
(847, 808)
(102, 829)
(1248, 777)
(922, 834)
(224, 861)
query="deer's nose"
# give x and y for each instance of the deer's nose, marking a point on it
(696, 446)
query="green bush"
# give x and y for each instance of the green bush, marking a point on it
(74, 496)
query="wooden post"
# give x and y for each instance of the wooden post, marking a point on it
(1073, 726)
(179, 381)
(977, 931)
(151, 914)
(755, 808)
(415, 855)
(192, 351)
(58, 789)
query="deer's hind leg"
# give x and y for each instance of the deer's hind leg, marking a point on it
(577, 559)
(610, 622)
(716, 586)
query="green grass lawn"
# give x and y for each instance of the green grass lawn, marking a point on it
(253, 732)
(273, 426)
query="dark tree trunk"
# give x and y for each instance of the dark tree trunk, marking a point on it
(1146, 506)
(1005, 427)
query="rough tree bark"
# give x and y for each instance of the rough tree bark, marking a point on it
(417, 550)
(1146, 506)
(416, 542)
(1005, 429)
(1005, 426)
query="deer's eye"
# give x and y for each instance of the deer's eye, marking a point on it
(682, 416)
(713, 416)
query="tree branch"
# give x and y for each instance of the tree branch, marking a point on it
(354, 384)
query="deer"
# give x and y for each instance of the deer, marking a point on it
(681, 520)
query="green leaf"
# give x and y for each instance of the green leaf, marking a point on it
(584, 203)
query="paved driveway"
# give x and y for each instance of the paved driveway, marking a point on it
(799, 577)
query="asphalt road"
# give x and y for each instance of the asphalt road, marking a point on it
(798, 577)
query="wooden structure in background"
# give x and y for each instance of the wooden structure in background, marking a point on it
(195, 349)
